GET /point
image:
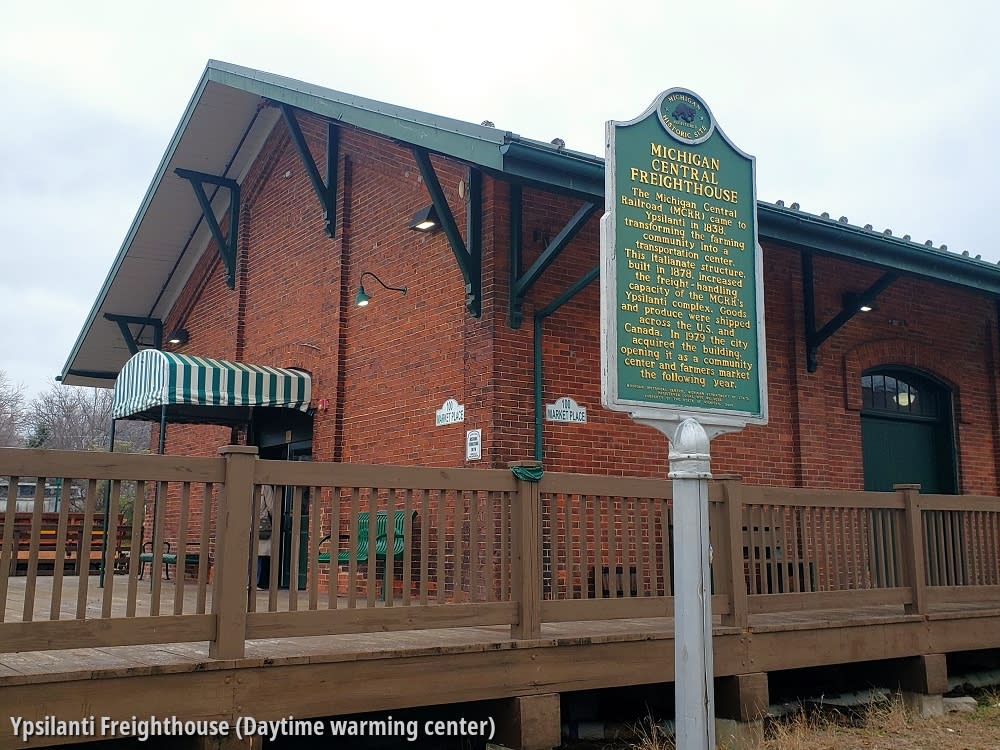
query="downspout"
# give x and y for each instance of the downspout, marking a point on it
(540, 317)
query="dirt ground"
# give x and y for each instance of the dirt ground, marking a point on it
(893, 728)
(885, 726)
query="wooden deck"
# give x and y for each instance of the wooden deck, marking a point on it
(329, 675)
(501, 587)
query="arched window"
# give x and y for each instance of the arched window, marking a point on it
(906, 431)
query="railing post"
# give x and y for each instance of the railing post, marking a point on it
(232, 535)
(732, 493)
(913, 547)
(526, 554)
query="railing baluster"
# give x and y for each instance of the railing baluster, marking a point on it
(407, 545)
(389, 574)
(333, 577)
(90, 503)
(352, 550)
(505, 561)
(425, 544)
(295, 550)
(313, 510)
(474, 570)
(181, 568)
(209, 500)
(36, 529)
(667, 534)
(55, 612)
(442, 540)
(158, 547)
(8, 553)
(135, 547)
(111, 550)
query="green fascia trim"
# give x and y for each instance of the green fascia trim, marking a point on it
(92, 374)
(136, 222)
(462, 140)
(555, 169)
(807, 232)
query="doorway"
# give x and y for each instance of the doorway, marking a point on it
(284, 435)
(906, 432)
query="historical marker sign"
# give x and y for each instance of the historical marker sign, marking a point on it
(681, 286)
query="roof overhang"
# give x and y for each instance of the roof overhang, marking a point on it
(227, 122)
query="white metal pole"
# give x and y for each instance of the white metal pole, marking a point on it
(690, 470)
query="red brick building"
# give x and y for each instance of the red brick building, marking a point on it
(311, 188)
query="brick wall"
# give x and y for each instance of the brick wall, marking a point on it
(383, 370)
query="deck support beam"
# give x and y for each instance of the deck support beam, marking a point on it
(741, 703)
(529, 722)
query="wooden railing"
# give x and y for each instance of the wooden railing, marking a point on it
(456, 548)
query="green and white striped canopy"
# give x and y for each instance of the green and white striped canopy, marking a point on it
(199, 389)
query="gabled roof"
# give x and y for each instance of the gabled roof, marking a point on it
(224, 127)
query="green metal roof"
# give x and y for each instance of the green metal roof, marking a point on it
(223, 128)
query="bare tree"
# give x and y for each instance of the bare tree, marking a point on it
(67, 417)
(11, 412)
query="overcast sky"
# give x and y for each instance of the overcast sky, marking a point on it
(886, 112)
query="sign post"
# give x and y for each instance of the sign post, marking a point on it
(682, 328)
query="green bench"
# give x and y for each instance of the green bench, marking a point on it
(381, 538)
(167, 557)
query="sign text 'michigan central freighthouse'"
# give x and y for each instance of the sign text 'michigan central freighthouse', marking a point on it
(681, 292)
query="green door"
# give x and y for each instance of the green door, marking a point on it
(906, 434)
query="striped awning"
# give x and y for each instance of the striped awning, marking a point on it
(199, 389)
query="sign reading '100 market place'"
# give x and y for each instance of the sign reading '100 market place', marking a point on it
(681, 293)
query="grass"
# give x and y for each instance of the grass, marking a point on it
(885, 725)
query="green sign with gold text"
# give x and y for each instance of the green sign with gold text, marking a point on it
(682, 314)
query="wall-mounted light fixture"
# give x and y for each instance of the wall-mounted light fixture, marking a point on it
(425, 220)
(853, 301)
(362, 298)
(179, 336)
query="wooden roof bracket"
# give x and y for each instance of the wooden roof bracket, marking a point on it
(326, 191)
(469, 259)
(814, 338)
(227, 247)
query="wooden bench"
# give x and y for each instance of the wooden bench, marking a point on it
(168, 558)
(74, 553)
